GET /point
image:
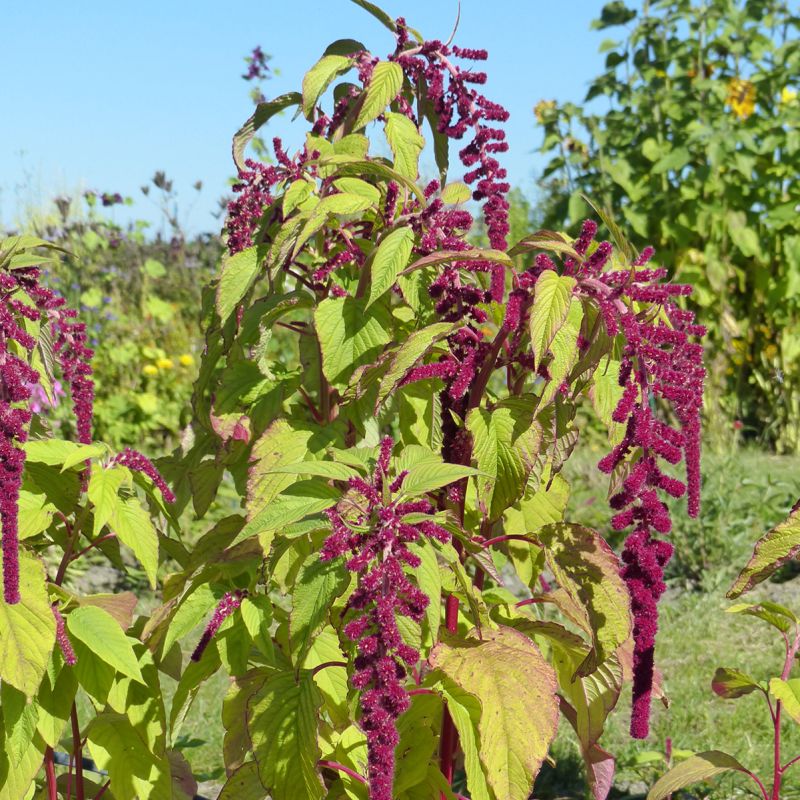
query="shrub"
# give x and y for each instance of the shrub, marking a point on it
(696, 148)
(395, 406)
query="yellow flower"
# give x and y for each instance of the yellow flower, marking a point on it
(788, 96)
(770, 351)
(165, 363)
(741, 97)
(186, 360)
(543, 109)
(150, 370)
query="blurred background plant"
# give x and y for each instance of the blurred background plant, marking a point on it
(693, 131)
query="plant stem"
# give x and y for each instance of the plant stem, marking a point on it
(777, 769)
(102, 791)
(77, 752)
(447, 744)
(335, 765)
(50, 771)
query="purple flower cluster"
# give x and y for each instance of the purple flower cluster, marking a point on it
(257, 65)
(62, 639)
(229, 603)
(133, 459)
(374, 536)
(16, 377)
(18, 381)
(659, 362)
(254, 193)
(460, 108)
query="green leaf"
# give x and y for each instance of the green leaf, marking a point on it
(54, 699)
(134, 528)
(377, 12)
(192, 609)
(319, 469)
(516, 688)
(318, 584)
(408, 354)
(300, 500)
(383, 87)
(280, 444)
(456, 193)
(429, 579)
(27, 629)
(699, 767)
(349, 335)
(564, 348)
(104, 485)
(406, 143)
(551, 304)
(263, 112)
(359, 187)
(776, 615)
(282, 720)
(788, 692)
(35, 514)
(465, 711)
(675, 160)
(319, 77)
(391, 256)
(731, 683)
(101, 633)
(237, 276)
(428, 476)
(771, 551)
(298, 192)
(82, 453)
(53, 452)
(243, 784)
(135, 772)
(449, 256)
(505, 445)
(586, 567)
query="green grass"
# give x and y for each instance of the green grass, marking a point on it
(744, 495)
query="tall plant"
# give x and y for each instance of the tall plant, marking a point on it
(692, 137)
(74, 673)
(400, 593)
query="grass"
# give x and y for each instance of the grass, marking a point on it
(744, 495)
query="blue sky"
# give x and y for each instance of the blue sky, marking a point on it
(100, 95)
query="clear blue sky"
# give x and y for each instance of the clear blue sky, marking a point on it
(101, 94)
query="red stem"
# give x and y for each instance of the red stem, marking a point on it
(335, 765)
(509, 537)
(777, 769)
(102, 791)
(77, 752)
(447, 744)
(96, 542)
(327, 664)
(50, 771)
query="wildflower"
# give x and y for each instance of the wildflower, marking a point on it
(659, 360)
(186, 360)
(229, 603)
(543, 110)
(165, 363)
(788, 95)
(64, 643)
(139, 463)
(741, 97)
(375, 539)
(738, 424)
(150, 370)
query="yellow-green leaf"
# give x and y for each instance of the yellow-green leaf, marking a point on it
(27, 629)
(551, 303)
(319, 77)
(383, 87)
(773, 550)
(391, 256)
(699, 767)
(406, 142)
(282, 719)
(788, 692)
(517, 691)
